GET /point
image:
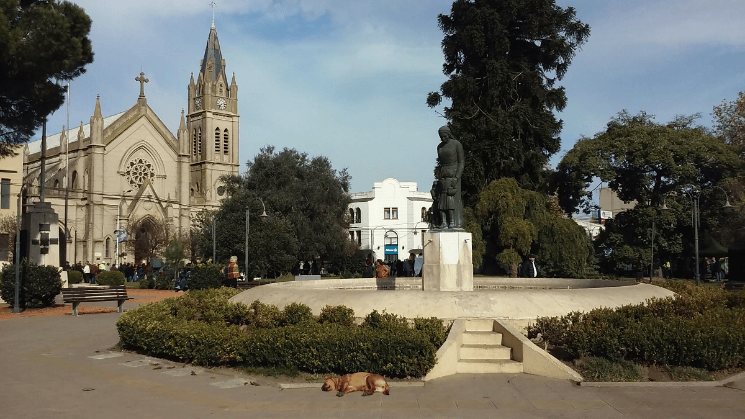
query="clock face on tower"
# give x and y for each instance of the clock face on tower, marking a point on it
(221, 103)
(198, 103)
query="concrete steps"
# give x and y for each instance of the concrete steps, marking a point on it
(481, 350)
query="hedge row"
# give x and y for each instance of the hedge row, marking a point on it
(702, 327)
(204, 328)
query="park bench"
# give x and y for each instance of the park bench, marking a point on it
(76, 296)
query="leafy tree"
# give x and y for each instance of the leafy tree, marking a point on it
(174, 255)
(519, 221)
(729, 122)
(41, 42)
(306, 201)
(502, 59)
(729, 126)
(147, 237)
(652, 164)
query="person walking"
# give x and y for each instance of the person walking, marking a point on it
(87, 273)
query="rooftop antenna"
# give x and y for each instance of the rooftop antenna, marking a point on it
(213, 4)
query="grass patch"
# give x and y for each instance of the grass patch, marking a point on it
(601, 369)
(688, 374)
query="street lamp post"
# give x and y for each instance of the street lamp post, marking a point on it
(696, 219)
(263, 217)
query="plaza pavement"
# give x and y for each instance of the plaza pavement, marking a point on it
(61, 367)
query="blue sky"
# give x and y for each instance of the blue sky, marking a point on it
(348, 79)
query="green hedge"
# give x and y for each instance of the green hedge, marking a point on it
(204, 328)
(74, 277)
(110, 278)
(702, 327)
(206, 276)
(39, 286)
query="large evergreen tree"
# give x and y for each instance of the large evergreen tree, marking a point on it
(306, 201)
(42, 42)
(502, 59)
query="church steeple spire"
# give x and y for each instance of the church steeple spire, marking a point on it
(213, 65)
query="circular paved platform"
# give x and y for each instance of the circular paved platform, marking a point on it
(520, 300)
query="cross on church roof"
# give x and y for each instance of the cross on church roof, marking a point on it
(213, 4)
(142, 81)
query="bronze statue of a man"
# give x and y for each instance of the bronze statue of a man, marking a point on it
(446, 192)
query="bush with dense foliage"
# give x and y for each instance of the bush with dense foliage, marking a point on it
(40, 284)
(110, 278)
(205, 328)
(74, 277)
(342, 315)
(702, 327)
(205, 276)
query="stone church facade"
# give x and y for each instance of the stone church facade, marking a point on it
(128, 169)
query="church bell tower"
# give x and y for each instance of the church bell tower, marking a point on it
(212, 127)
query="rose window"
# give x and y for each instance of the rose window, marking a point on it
(138, 170)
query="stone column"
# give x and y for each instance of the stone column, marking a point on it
(447, 261)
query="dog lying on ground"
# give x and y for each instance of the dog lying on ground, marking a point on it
(360, 381)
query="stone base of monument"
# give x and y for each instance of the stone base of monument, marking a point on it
(447, 261)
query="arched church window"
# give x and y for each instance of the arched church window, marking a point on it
(199, 142)
(56, 184)
(225, 141)
(108, 246)
(217, 140)
(191, 191)
(74, 184)
(137, 170)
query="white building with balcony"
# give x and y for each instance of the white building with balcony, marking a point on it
(389, 220)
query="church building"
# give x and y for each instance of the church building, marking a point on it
(129, 170)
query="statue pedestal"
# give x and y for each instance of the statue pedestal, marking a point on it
(447, 261)
(42, 226)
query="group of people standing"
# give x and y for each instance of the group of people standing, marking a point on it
(398, 268)
(91, 270)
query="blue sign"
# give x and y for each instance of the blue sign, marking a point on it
(391, 250)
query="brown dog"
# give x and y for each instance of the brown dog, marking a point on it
(360, 381)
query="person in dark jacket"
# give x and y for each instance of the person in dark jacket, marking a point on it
(529, 268)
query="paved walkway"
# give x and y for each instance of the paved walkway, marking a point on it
(61, 367)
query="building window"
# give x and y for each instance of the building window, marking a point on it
(108, 247)
(359, 238)
(391, 246)
(390, 213)
(351, 236)
(394, 213)
(5, 194)
(386, 213)
(358, 216)
(74, 179)
(351, 217)
(225, 141)
(424, 213)
(217, 140)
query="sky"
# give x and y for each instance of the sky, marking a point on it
(348, 79)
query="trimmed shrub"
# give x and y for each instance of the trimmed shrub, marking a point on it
(204, 328)
(163, 281)
(295, 313)
(433, 328)
(342, 315)
(205, 277)
(38, 288)
(702, 327)
(387, 321)
(110, 278)
(147, 283)
(74, 277)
